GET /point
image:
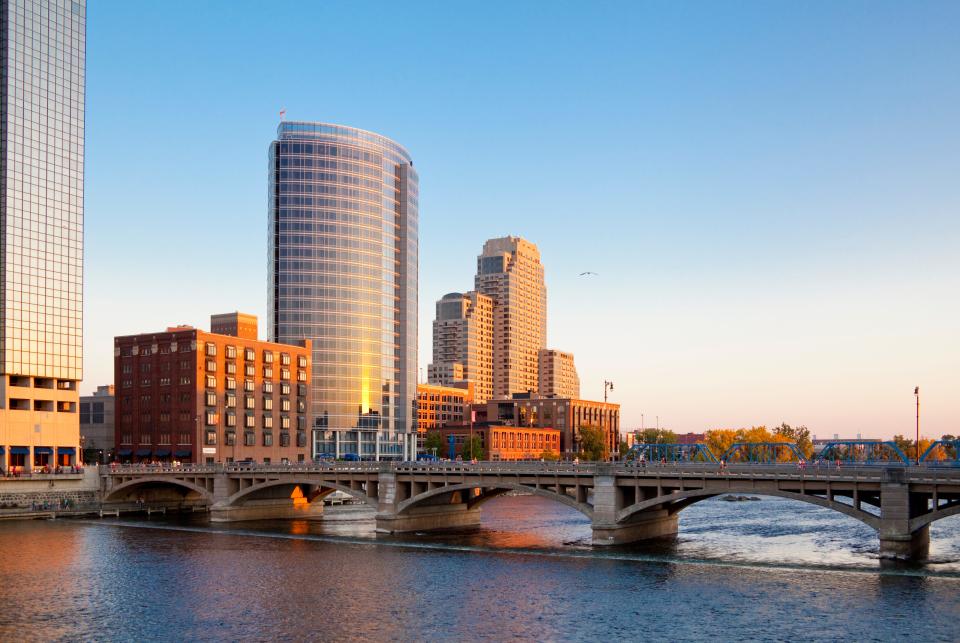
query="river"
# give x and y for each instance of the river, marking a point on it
(771, 569)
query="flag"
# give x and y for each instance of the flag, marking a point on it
(283, 112)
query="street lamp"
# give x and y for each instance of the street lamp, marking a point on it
(916, 393)
(607, 386)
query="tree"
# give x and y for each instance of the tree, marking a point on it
(719, 440)
(472, 448)
(905, 445)
(935, 455)
(433, 441)
(800, 435)
(624, 449)
(549, 455)
(593, 443)
(658, 436)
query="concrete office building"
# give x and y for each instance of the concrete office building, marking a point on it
(97, 424)
(42, 59)
(188, 395)
(558, 374)
(510, 273)
(463, 343)
(342, 264)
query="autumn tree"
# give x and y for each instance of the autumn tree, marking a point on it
(719, 440)
(593, 443)
(799, 435)
(549, 455)
(658, 436)
(906, 445)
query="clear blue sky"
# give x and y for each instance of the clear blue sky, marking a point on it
(769, 191)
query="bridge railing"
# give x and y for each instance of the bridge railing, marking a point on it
(807, 470)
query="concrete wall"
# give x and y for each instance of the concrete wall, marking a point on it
(79, 488)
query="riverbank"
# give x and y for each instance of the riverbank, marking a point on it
(46, 493)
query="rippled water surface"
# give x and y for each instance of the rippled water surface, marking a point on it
(763, 570)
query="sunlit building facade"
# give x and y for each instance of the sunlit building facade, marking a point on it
(510, 273)
(342, 263)
(191, 396)
(566, 415)
(42, 47)
(558, 374)
(463, 343)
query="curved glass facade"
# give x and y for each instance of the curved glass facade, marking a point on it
(342, 270)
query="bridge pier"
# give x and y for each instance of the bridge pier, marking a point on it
(897, 507)
(608, 501)
(649, 524)
(267, 509)
(915, 546)
(432, 518)
(442, 513)
(278, 503)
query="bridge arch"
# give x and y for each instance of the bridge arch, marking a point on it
(158, 482)
(494, 489)
(676, 502)
(922, 521)
(239, 497)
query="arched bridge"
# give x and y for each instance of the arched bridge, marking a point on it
(624, 503)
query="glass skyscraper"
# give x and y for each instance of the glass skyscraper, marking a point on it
(342, 264)
(42, 46)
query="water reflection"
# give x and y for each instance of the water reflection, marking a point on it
(529, 573)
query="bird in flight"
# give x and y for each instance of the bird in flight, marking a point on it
(584, 274)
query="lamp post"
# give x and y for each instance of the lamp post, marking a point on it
(607, 386)
(916, 393)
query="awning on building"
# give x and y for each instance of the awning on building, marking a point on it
(19, 450)
(43, 450)
(183, 453)
(163, 453)
(66, 450)
(142, 453)
(125, 453)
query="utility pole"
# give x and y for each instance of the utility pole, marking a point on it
(916, 393)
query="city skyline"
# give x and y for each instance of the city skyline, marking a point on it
(762, 256)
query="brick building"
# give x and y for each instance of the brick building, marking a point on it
(438, 405)
(502, 442)
(567, 415)
(189, 395)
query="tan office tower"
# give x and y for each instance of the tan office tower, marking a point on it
(42, 53)
(463, 343)
(558, 374)
(509, 272)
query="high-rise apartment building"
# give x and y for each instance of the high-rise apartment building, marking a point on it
(42, 58)
(342, 263)
(510, 273)
(558, 374)
(463, 343)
